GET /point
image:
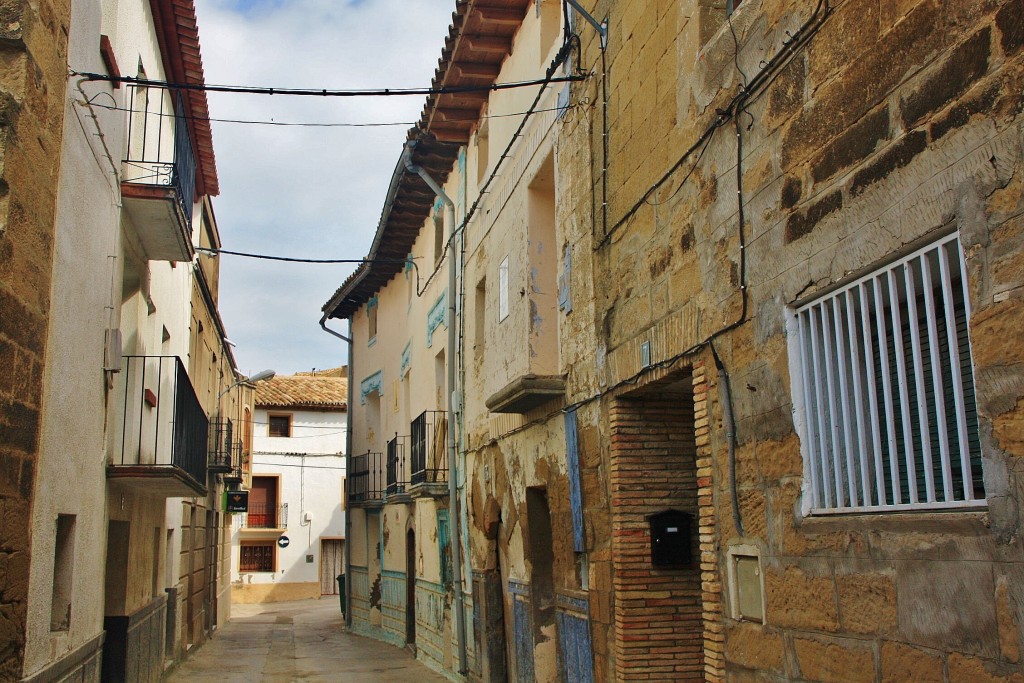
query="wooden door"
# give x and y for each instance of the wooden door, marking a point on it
(332, 564)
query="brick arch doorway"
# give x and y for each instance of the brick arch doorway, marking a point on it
(654, 457)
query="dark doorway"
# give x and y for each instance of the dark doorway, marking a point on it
(410, 587)
(541, 557)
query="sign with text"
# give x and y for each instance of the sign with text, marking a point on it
(236, 501)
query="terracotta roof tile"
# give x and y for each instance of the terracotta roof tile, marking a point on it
(303, 391)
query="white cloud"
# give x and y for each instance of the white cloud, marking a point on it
(306, 192)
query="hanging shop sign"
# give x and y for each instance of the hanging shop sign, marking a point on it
(236, 501)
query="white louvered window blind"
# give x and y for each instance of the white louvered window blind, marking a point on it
(884, 389)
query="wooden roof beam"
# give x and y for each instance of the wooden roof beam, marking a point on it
(476, 70)
(488, 44)
(498, 15)
(460, 114)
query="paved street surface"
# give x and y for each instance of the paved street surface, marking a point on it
(297, 641)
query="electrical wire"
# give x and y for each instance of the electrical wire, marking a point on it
(321, 92)
(294, 124)
(290, 259)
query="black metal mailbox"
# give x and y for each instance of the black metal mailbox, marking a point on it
(671, 539)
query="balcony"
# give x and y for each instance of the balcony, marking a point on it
(397, 468)
(266, 517)
(428, 446)
(158, 177)
(526, 392)
(161, 431)
(224, 449)
(366, 480)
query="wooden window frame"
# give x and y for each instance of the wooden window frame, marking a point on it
(270, 422)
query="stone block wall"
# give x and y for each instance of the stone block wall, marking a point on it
(881, 127)
(33, 48)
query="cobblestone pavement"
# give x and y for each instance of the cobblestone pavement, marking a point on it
(297, 641)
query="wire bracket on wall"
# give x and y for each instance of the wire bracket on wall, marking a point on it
(600, 26)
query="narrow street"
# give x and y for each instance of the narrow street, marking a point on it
(297, 641)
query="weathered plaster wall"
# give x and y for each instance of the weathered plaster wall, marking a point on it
(896, 122)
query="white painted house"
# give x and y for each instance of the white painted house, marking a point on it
(290, 544)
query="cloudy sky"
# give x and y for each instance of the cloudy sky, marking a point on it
(306, 192)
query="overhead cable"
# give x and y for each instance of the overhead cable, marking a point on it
(284, 124)
(321, 92)
(289, 259)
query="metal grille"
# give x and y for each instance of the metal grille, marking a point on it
(257, 558)
(888, 417)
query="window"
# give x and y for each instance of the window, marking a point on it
(279, 425)
(371, 315)
(257, 557)
(503, 290)
(439, 243)
(480, 315)
(884, 389)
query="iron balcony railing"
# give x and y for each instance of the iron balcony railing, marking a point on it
(429, 447)
(398, 477)
(225, 449)
(366, 482)
(159, 144)
(266, 516)
(162, 423)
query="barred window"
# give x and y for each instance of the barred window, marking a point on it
(256, 557)
(884, 389)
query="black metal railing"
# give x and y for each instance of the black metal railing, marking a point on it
(162, 422)
(266, 516)
(429, 447)
(159, 144)
(366, 480)
(398, 478)
(225, 449)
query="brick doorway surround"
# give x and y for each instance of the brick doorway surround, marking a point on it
(668, 622)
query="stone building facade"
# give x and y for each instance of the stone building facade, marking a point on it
(738, 385)
(115, 366)
(782, 183)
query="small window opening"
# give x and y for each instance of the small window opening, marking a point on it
(279, 425)
(63, 573)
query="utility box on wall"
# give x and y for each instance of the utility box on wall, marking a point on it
(671, 539)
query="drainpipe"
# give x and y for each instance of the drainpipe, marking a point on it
(453, 472)
(348, 456)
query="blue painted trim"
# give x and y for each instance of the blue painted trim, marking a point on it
(406, 361)
(522, 631)
(577, 658)
(444, 546)
(436, 316)
(567, 602)
(380, 545)
(572, 457)
(518, 587)
(374, 382)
